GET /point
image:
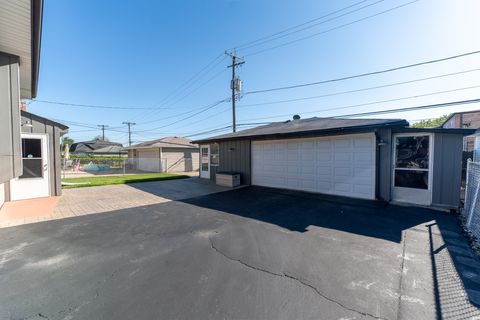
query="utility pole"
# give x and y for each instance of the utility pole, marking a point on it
(129, 124)
(103, 126)
(236, 84)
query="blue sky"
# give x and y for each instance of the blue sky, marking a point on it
(136, 53)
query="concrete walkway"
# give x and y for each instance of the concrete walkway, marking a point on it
(92, 200)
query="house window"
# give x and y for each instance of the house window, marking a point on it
(32, 158)
(214, 154)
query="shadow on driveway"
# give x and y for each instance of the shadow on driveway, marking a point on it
(250, 253)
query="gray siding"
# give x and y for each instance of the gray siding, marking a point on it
(235, 157)
(54, 133)
(10, 152)
(384, 165)
(447, 169)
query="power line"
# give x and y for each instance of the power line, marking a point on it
(93, 106)
(331, 29)
(283, 35)
(173, 93)
(223, 128)
(407, 109)
(129, 124)
(183, 119)
(364, 74)
(103, 126)
(430, 106)
(371, 103)
(296, 26)
(235, 84)
(182, 88)
(358, 90)
(85, 125)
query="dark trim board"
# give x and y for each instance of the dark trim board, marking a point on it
(305, 134)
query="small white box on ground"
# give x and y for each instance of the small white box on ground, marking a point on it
(228, 179)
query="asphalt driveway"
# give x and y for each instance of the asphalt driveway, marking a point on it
(250, 253)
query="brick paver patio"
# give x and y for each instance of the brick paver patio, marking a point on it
(93, 200)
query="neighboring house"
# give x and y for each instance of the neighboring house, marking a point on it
(29, 157)
(169, 154)
(96, 147)
(362, 158)
(467, 119)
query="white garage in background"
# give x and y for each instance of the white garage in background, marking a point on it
(338, 165)
(149, 160)
(168, 154)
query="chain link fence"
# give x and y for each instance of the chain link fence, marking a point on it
(471, 210)
(80, 167)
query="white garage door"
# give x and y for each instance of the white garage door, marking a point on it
(149, 160)
(338, 165)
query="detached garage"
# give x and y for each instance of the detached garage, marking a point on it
(372, 159)
(168, 154)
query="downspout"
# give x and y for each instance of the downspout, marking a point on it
(377, 166)
(160, 155)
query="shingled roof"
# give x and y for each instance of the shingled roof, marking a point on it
(166, 142)
(308, 126)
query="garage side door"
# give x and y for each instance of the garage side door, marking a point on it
(339, 165)
(149, 160)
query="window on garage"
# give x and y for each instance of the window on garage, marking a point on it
(214, 154)
(412, 161)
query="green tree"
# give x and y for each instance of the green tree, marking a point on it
(431, 123)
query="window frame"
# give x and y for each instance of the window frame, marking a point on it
(214, 157)
(27, 159)
(429, 170)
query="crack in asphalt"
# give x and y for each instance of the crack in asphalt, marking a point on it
(288, 276)
(67, 313)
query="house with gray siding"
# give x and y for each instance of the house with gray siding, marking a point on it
(376, 159)
(29, 144)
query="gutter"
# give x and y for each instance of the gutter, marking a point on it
(36, 10)
(309, 133)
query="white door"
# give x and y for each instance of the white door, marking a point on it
(337, 165)
(205, 162)
(149, 160)
(35, 180)
(412, 163)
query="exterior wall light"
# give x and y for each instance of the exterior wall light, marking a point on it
(382, 143)
(27, 124)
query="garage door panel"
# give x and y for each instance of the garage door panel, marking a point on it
(343, 156)
(343, 188)
(342, 143)
(363, 172)
(340, 165)
(343, 172)
(365, 142)
(363, 156)
(310, 170)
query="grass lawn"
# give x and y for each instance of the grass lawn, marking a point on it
(121, 179)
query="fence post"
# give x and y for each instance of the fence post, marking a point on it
(124, 164)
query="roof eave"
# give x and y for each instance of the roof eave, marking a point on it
(364, 128)
(462, 131)
(36, 16)
(45, 120)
